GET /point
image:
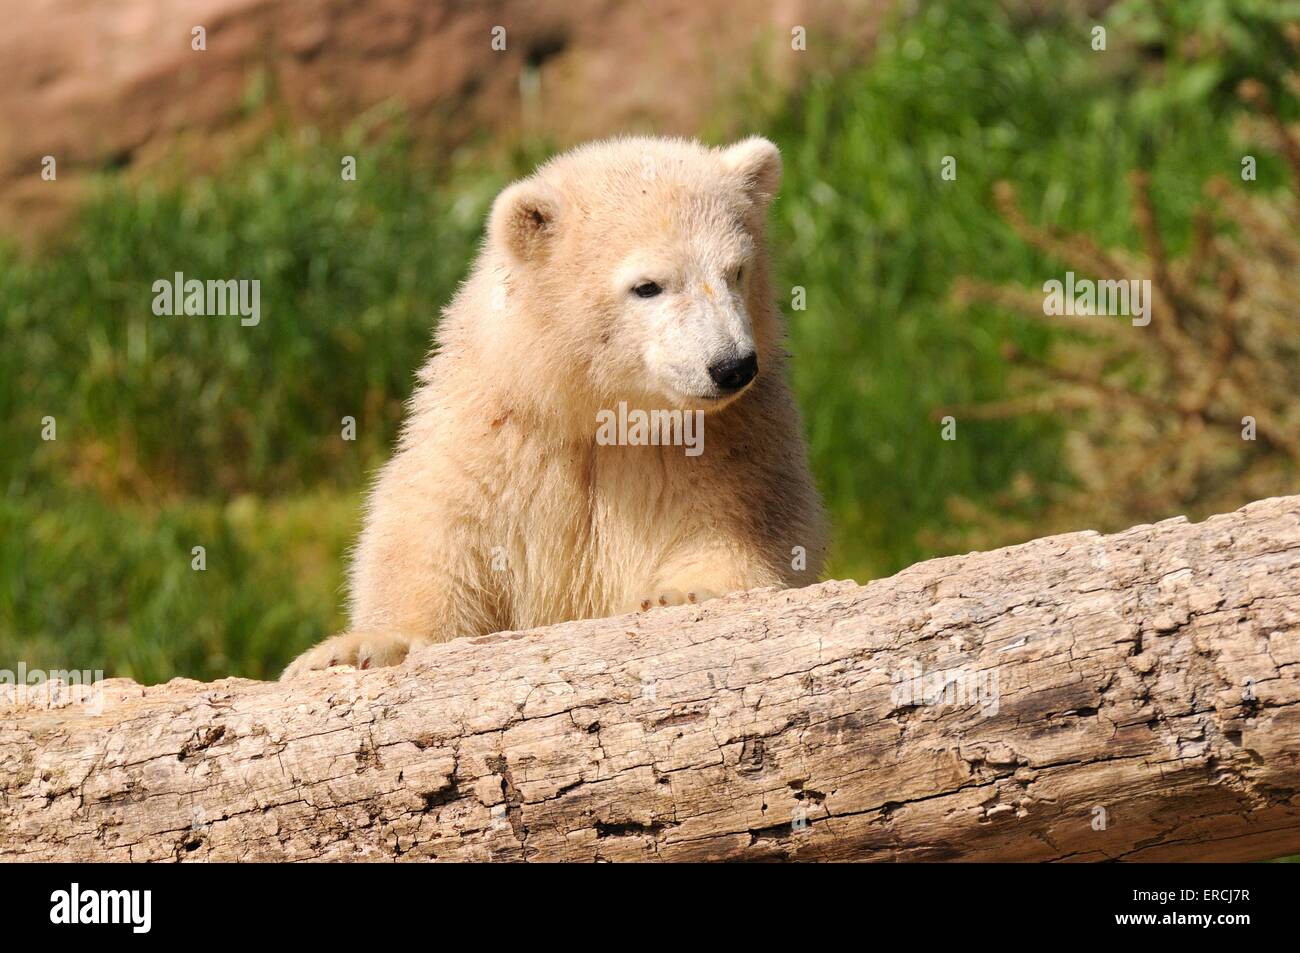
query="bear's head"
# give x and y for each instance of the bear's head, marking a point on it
(634, 270)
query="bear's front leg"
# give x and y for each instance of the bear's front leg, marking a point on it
(358, 649)
(699, 573)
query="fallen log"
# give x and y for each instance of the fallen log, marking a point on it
(1078, 697)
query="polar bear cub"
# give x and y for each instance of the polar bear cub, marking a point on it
(604, 424)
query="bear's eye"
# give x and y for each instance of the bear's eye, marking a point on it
(646, 289)
(740, 273)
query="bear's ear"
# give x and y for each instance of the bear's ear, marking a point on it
(758, 163)
(523, 219)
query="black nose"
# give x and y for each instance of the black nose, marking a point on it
(733, 373)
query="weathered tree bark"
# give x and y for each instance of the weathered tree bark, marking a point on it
(1130, 696)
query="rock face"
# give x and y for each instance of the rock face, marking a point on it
(1079, 697)
(101, 84)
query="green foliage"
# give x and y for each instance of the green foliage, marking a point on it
(352, 274)
(94, 585)
(868, 226)
(1207, 46)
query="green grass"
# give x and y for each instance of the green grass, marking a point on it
(352, 275)
(114, 587)
(176, 432)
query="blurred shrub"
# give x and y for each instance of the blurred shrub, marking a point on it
(1197, 412)
(867, 225)
(352, 274)
(93, 585)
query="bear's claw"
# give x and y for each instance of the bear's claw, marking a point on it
(360, 650)
(675, 597)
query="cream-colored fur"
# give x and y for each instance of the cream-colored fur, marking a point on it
(500, 509)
